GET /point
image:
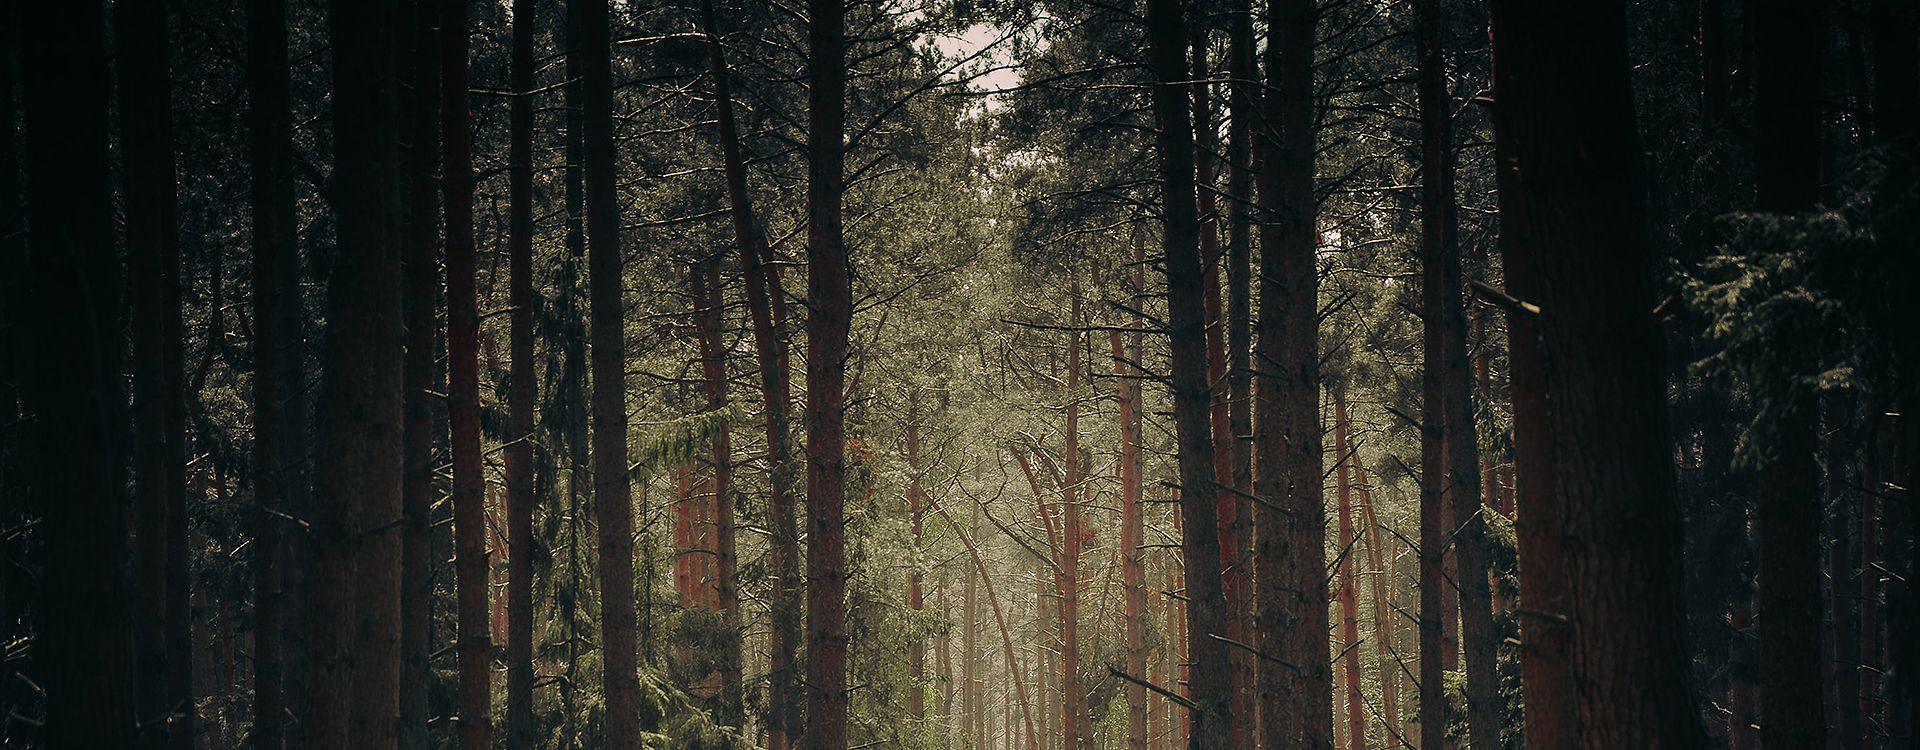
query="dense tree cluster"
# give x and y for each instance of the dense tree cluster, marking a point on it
(917, 374)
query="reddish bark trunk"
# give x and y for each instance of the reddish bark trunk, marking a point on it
(1349, 602)
(713, 361)
(1133, 527)
(1387, 663)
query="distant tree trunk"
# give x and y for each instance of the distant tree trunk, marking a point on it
(1073, 708)
(471, 568)
(713, 362)
(1349, 601)
(1789, 38)
(421, 297)
(279, 396)
(1387, 659)
(1132, 516)
(969, 661)
(573, 398)
(769, 339)
(1296, 707)
(829, 313)
(916, 650)
(1006, 635)
(521, 732)
(1211, 683)
(159, 456)
(354, 683)
(73, 388)
(1449, 390)
(612, 492)
(1607, 425)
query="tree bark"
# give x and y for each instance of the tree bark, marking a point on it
(1073, 708)
(471, 568)
(421, 277)
(1349, 601)
(279, 396)
(354, 682)
(1607, 452)
(1387, 660)
(612, 492)
(714, 368)
(521, 732)
(1296, 712)
(829, 313)
(145, 85)
(1211, 684)
(916, 602)
(1132, 515)
(72, 335)
(1243, 104)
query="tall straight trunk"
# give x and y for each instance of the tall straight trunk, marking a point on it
(354, 684)
(1449, 381)
(613, 502)
(1296, 705)
(572, 397)
(969, 662)
(714, 367)
(1873, 482)
(1133, 554)
(471, 568)
(829, 313)
(1608, 452)
(521, 732)
(1386, 658)
(1349, 601)
(421, 297)
(1551, 718)
(916, 602)
(279, 395)
(13, 259)
(1841, 627)
(1211, 684)
(1434, 648)
(145, 85)
(1788, 40)
(769, 337)
(1073, 708)
(73, 338)
(1243, 103)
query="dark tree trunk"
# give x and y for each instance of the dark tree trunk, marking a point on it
(73, 388)
(421, 277)
(1296, 706)
(355, 605)
(1211, 684)
(829, 311)
(1237, 552)
(159, 456)
(612, 492)
(1073, 694)
(475, 642)
(521, 732)
(1606, 451)
(1453, 475)
(279, 397)
(1788, 39)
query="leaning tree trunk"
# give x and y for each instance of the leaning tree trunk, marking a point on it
(611, 490)
(521, 731)
(829, 313)
(1296, 706)
(354, 684)
(769, 337)
(1211, 684)
(1387, 662)
(73, 340)
(159, 456)
(1608, 455)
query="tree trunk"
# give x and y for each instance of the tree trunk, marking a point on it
(917, 649)
(1073, 709)
(1349, 602)
(1606, 433)
(1132, 517)
(1788, 38)
(769, 337)
(1295, 712)
(421, 277)
(1449, 390)
(471, 568)
(521, 732)
(1243, 103)
(713, 362)
(1211, 685)
(354, 683)
(612, 498)
(279, 396)
(829, 313)
(73, 341)
(1387, 660)
(159, 457)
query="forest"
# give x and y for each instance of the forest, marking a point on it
(958, 374)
